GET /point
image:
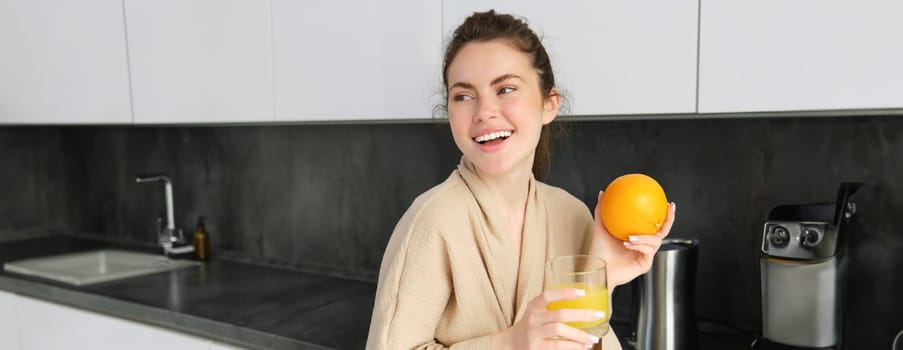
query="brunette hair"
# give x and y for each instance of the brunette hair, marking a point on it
(487, 26)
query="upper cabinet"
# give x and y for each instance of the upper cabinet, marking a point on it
(227, 61)
(610, 57)
(356, 60)
(200, 61)
(63, 62)
(774, 55)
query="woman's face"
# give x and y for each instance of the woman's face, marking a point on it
(495, 108)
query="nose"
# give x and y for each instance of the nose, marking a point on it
(487, 108)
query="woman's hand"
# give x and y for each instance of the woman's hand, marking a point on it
(543, 329)
(628, 259)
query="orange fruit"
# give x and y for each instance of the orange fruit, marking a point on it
(633, 204)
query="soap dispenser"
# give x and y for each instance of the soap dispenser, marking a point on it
(201, 241)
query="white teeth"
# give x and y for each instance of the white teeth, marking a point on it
(492, 136)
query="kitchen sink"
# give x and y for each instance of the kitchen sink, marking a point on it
(95, 266)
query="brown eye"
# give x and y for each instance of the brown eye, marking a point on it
(462, 97)
(506, 90)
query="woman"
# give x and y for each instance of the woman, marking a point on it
(464, 268)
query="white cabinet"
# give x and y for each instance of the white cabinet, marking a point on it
(344, 60)
(610, 57)
(200, 61)
(44, 325)
(775, 55)
(63, 62)
(9, 330)
(223, 61)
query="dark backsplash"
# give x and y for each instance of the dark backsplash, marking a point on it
(325, 198)
(33, 195)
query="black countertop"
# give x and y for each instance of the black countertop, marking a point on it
(232, 302)
(247, 305)
(723, 340)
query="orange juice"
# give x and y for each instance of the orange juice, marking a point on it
(596, 298)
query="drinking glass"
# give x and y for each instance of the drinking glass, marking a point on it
(584, 272)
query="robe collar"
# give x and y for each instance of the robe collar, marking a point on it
(514, 281)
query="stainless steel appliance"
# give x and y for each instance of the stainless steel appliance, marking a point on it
(666, 314)
(803, 273)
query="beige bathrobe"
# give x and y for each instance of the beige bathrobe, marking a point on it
(449, 277)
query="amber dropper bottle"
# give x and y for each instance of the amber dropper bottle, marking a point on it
(201, 241)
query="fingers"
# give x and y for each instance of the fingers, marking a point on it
(565, 345)
(548, 326)
(647, 240)
(645, 249)
(563, 334)
(646, 244)
(669, 221)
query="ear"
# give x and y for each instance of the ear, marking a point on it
(550, 106)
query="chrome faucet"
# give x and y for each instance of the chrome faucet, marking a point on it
(168, 236)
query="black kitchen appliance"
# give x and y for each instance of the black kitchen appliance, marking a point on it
(803, 273)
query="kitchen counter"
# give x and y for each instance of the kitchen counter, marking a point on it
(242, 304)
(711, 338)
(246, 305)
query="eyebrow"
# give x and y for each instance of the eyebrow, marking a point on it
(504, 77)
(495, 81)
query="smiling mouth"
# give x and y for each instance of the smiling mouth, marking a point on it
(498, 135)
